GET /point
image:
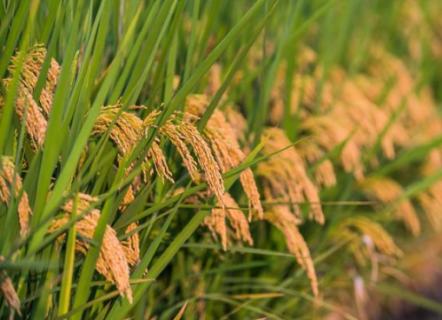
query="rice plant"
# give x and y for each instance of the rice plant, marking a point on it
(188, 159)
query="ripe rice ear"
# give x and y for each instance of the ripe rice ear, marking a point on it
(282, 219)
(285, 176)
(216, 222)
(7, 180)
(112, 262)
(388, 191)
(10, 296)
(225, 146)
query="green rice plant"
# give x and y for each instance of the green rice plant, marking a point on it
(187, 159)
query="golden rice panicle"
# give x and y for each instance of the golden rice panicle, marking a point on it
(205, 159)
(170, 131)
(31, 71)
(324, 172)
(131, 245)
(126, 131)
(286, 177)
(181, 132)
(388, 192)
(380, 238)
(84, 202)
(229, 155)
(287, 224)
(47, 94)
(160, 162)
(216, 222)
(431, 203)
(237, 122)
(330, 133)
(36, 123)
(112, 262)
(31, 67)
(387, 67)
(7, 180)
(224, 143)
(12, 301)
(353, 102)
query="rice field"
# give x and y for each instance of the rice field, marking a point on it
(188, 159)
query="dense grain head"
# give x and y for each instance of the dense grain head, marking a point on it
(431, 203)
(10, 179)
(182, 133)
(31, 70)
(389, 192)
(131, 245)
(216, 222)
(285, 176)
(160, 162)
(380, 238)
(9, 294)
(328, 133)
(324, 172)
(112, 262)
(35, 123)
(224, 143)
(126, 131)
(287, 224)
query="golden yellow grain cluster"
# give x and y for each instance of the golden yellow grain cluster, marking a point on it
(36, 114)
(389, 192)
(9, 294)
(10, 182)
(113, 261)
(216, 222)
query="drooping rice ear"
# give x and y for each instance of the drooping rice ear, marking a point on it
(10, 296)
(7, 180)
(131, 245)
(286, 176)
(31, 71)
(127, 133)
(328, 133)
(432, 207)
(324, 173)
(229, 156)
(182, 133)
(36, 123)
(47, 94)
(378, 235)
(160, 162)
(388, 192)
(220, 135)
(112, 262)
(282, 219)
(216, 222)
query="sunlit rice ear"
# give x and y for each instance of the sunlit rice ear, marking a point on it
(389, 192)
(180, 133)
(112, 262)
(7, 180)
(287, 224)
(216, 222)
(221, 137)
(9, 294)
(287, 177)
